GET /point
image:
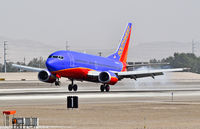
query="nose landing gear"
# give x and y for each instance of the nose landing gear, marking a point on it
(57, 82)
(105, 87)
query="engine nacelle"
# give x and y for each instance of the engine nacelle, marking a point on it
(46, 76)
(108, 78)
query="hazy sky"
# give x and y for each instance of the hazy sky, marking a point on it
(92, 23)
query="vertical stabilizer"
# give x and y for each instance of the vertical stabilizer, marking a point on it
(122, 51)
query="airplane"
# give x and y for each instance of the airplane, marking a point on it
(85, 67)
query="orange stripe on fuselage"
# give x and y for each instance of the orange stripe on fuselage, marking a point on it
(80, 74)
(113, 81)
(124, 67)
(75, 73)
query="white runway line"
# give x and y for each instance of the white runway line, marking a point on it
(99, 95)
(46, 90)
(29, 89)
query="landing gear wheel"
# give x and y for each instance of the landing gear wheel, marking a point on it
(75, 87)
(107, 88)
(102, 87)
(57, 83)
(70, 87)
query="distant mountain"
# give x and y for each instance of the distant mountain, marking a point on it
(151, 50)
(159, 50)
(20, 48)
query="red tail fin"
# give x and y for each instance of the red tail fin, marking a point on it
(122, 51)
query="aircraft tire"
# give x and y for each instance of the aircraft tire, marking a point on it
(107, 88)
(75, 87)
(70, 87)
(57, 83)
(102, 88)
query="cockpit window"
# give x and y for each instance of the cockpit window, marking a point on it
(59, 57)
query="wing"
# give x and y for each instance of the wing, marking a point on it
(146, 73)
(27, 68)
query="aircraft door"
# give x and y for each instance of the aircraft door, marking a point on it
(71, 60)
(95, 64)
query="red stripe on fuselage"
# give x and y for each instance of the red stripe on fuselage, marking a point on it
(113, 81)
(75, 73)
(79, 74)
(123, 67)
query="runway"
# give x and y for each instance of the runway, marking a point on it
(120, 93)
(161, 103)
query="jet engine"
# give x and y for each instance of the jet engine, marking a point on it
(46, 76)
(108, 78)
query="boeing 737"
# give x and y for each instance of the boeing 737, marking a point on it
(85, 67)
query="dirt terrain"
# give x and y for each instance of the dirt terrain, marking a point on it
(136, 115)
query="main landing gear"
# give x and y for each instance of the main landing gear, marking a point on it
(72, 86)
(105, 87)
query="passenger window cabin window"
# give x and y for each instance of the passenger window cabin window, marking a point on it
(59, 57)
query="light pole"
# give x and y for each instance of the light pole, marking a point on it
(100, 53)
(67, 46)
(4, 44)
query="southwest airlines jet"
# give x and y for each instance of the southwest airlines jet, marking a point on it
(85, 67)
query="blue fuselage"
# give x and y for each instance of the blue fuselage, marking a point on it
(62, 60)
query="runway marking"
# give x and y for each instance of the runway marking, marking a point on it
(37, 91)
(98, 95)
(144, 101)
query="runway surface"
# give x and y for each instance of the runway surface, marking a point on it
(128, 91)
(159, 103)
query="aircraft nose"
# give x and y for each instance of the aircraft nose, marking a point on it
(50, 64)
